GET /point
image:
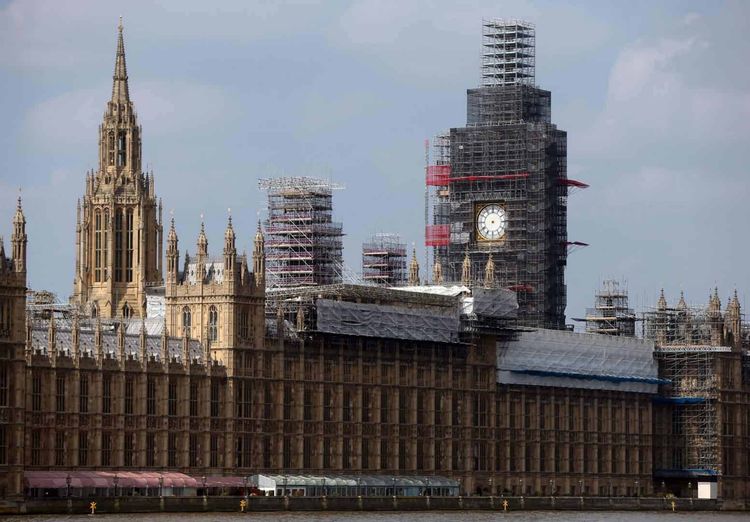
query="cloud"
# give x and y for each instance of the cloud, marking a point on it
(164, 108)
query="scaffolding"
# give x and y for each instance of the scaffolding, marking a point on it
(511, 155)
(507, 52)
(303, 244)
(611, 314)
(688, 341)
(384, 260)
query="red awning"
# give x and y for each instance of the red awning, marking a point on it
(106, 479)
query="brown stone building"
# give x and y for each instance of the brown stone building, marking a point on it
(341, 379)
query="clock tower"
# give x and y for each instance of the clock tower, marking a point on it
(118, 220)
(498, 186)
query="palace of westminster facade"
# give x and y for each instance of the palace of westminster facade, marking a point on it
(221, 388)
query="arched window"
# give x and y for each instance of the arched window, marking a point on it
(94, 311)
(213, 322)
(126, 311)
(187, 320)
(98, 245)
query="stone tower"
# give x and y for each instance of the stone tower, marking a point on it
(118, 222)
(12, 357)
(216, 300)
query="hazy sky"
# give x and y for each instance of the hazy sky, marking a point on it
(655, 97)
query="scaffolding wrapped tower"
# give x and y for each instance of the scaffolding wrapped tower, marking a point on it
(303, 244)
(384, 260)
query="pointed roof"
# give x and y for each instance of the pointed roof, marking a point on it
(229, 233)
(259, 234)
(662, 303)
(120, 92)
(414, 269)
(19, 218)
(466, 270)
(202, 240)
(437, 272)
(682, 305)
(489, 272)
(172, 236)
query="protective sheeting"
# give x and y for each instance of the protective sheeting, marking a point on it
(87, 347)
(496, 303)
(450, 291)
(395, 322)
(572, 360)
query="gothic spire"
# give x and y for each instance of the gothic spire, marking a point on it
(414, 269)
(437, 272)
(662, 303)
(120, 93)
(466, 270)
(202, 241)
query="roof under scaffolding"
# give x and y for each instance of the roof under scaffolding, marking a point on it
(297, 183)
(573, 360)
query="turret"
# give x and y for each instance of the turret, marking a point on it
(259, 258)
(714, 316)
(230, 251)
(414, 269)
(202, 254)
(733, 323)
(18, 239)
(466, 270)
(489, 273)
(437, 272)
(173, 254)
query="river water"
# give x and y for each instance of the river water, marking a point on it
(452, 516)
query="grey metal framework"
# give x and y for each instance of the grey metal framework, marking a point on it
(384, 260)
(511, 154)
(303, 244)
(507, 52)
(688, 341)
(611, 314)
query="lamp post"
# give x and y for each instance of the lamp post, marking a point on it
(610, 488)
(580, 487)
(324, 486)
(67, 483)
(359, 486)
(284, 483)
(161, 485)
(520, 487)
(244, 484)
(429, 491)
(663, 488)
(690, 490)
(205, 491)
(394, 486)
(492, 491)
(115, 480)
(637, 489)
(552, 487)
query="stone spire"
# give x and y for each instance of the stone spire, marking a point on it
(714, 303)
(173, 253)
(230, 249)
(229, 237)
(259, 257)
(18, 239)
(661, 304)
(437, 272)
(466, 270)
(202, 241)
(489, 272)
(414, 269)
(681, 304)
(120, 92)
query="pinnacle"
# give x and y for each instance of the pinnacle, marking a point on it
(120, 91)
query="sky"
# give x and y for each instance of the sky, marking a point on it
(654, 96)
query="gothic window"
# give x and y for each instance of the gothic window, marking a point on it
(187, 320)
(98, 252)
(244, 322)
(129, 246)
(5, 327)
(213, 322)
(127, 312)
(121, 153)
(94, 311)
(105, 246)
(4, 385)
(118, 246)
(111, 148)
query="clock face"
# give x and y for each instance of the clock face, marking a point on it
(492, 222)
